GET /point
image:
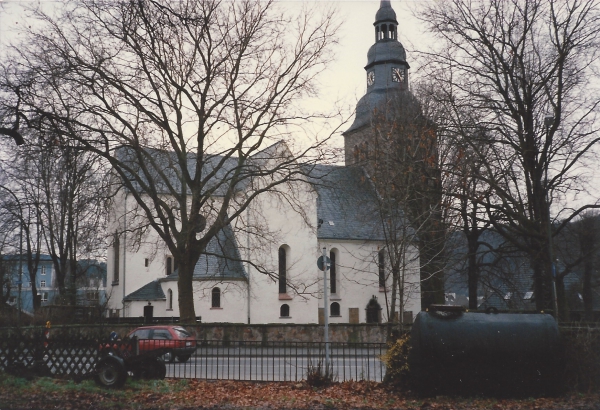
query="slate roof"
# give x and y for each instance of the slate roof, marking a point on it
(165, 171)
(150, 291)
(347, 203)
(222, 260)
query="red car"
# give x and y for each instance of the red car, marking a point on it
(178, 341)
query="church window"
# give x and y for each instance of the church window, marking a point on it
(170, 299)
(366, 150)
(282, 270)
(169, 265)
(333, 273)
(116, 246)
(356, 152)
(385, 31)
(284, 311)
(334, 309)
(381, 266)
(216, 298)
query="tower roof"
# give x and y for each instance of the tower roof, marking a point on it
(385, 55)
(385, 13)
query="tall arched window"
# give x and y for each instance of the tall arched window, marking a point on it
(334, 309)
(282, 270)
(284, 311)
(116, 247)
(170, 299)
(381, 265)
(332, 273)
(169, 265)
(216, 298)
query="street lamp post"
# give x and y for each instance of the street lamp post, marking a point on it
(548, 121)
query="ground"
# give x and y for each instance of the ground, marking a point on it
(44, 393)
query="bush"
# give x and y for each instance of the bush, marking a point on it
(396, 362)
(320, 375)
(582, 359)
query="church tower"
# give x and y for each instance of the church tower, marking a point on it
(397, 147)
(386, 76)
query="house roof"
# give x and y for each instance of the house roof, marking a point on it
(221, 261)
(150, 291)
(347, 203)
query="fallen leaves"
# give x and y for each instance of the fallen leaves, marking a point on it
(202, 394)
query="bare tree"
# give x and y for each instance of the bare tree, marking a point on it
(525, 68)
(181, 99)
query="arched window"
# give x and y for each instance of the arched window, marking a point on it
(381, 265)
(332, 273)
(169, 265)
(385, 31)
(216, 298)
(282, 270)
(284, 311)
(116, 246)
(334, 309)
(356, 153)
(170, 299)
(373, 311)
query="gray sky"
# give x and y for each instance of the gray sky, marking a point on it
(344, 82)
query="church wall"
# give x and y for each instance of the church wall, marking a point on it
(289, 222)
(358, 279)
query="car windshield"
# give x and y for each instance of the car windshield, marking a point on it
(182, 332)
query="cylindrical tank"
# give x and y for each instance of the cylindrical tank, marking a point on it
(456, 352)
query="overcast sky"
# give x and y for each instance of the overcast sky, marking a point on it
(344, 82)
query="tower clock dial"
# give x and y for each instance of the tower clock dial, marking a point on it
(370, 77)
(398, 74)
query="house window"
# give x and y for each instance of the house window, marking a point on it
(42, 283)
(44, 296)
(216, 298)
(170, 296)
(92, 296)
(116, 247)
(381, 265)
(169, 265)
(334, 309)
(43, 270)
(332, 273)
(284, 311)
(282, 270)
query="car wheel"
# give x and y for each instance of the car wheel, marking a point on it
(110, 372)
(168, 357)
(183, 358)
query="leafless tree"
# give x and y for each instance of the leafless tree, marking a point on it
(526, 69)
(182, 99)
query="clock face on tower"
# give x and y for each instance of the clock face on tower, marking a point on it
(370, 77)
(398, 74)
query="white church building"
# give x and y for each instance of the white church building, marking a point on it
(338, 212)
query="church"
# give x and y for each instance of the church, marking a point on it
(375, 273)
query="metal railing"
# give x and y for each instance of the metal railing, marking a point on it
(280, 361)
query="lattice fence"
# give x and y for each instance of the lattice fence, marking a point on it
(51, 357)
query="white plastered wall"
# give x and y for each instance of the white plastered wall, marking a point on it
(358, 279)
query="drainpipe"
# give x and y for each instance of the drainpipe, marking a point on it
(124, 248)
(248, 265)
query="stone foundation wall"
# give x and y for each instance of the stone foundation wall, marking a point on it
(349, 333)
